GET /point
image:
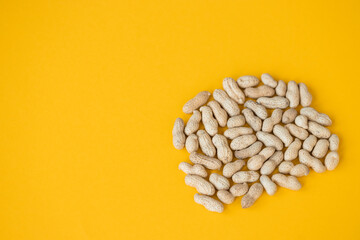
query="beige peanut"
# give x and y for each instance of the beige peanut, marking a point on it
(289, 115)
(205, 142)
(233, 90)
(318, 130)
(313, 115)
(334, 142)
(219, 113)
(179, 137)
(305, 95)
(253, 121)
(256, 162)
(200, 99)
(270, 122)
(331, 160)
(233, 167)
(302, 121)
(250, 151)
(289, 182)
(192, 143)
(297, 131)
(293, 94)
(252, 195)
(247, 81)
(201, 185)
(236, 121)
(242, 142)
(261, 91)
(299, 170)
(195, 169)
(257, 108)
(270, 165)
(284, 135)
(208, 162)
(310, 161)
(235, 132)
(225, 196)
(267, 152)
(269, 186)
(285, 167)
(321, 148)
(270, 140)
(273, 102)
(309, 143)
(193, 124)
(210, 123)
(223, 150)
(245, 176)
(281, 88)
(239, 189)
(220, 182)
(268, 80)
(292, 151)
(230, 106)
(209, 203)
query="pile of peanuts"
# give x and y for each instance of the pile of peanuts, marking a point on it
(262, 140)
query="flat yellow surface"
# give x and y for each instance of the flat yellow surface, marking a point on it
(89, 91)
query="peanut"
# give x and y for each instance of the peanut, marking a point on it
(219, 113)
(274, 102)
(239, 189)
(261, 91)
(208, 162)
(318, 130)
(245, 176)
(267, 152)
(292, 151)
(313, 115)
(270, 165)
(248, 81)
(305, 95)
(235, 132)
(210, 123)
(267, 79)
(281, 88)
(257, 108)
(285, 167)
(309, 143)
(225, 196)
(270, 140)
(284, 135)
(321, 148)
(310, 161)
(233, 90)
(178, 134)
(270, 186)
(230, 106)
(252, 195)
(193, 124)
(223, 150)
(302, 121)
(293, 94)
(269, 123)
(253, 121)
(236, 121)
(196, 169)
(289, 182)
(196, 102)
(201, 185)
(232, 167)
(289, 115)
(297, 131)
(331, 160)
(209, 203)
(256, 162)
(192, 143)
(299, 170)
(220, 182)
(206, 145)
(250, 151)
(334, 142)
(242, 142)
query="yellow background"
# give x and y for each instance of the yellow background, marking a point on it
(89, 91)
